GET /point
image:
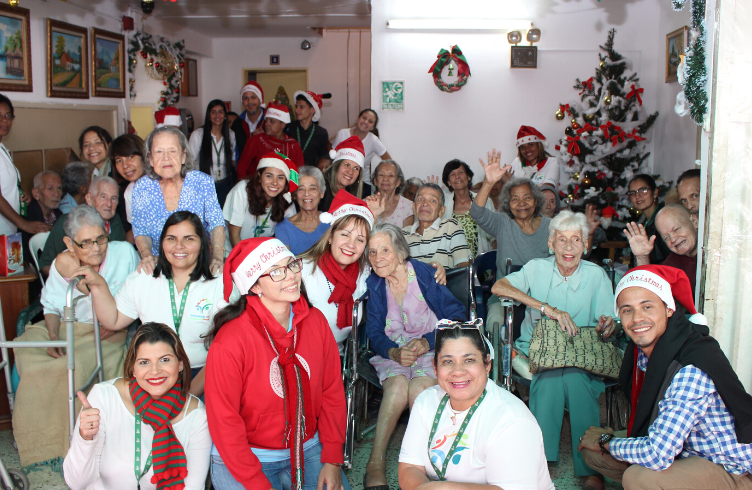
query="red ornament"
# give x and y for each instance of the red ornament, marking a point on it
(177, 90)
(572, 146)
(587, 85)
(162, 99)
(143, 54)
(575, 126)
(182, 64)
(565, 108)
(151, 60)
(165, 82)
(156, 64)
(634, 135)
(635, 92)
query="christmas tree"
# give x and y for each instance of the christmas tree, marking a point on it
(605, 146)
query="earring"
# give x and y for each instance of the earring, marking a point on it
(551, 251)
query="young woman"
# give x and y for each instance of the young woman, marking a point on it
(273, 379)
(255, 206)
(346, 172)
(213, 146)
(533, 162)
(127, 152)
(129, 426)
(94, 143)
(303, 230)
(181, 279)
(365, 130)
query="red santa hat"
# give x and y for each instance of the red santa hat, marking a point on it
(169, 116)
(254, 87)
(278, 160)
(668, 283)
(249, 260)
(345, 204)
(316, 101)
(528, 134)
(279, 112)
(350, 149)
(608, 212)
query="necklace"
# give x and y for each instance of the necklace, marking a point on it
(454, 415)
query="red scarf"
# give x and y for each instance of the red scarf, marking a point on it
(344, 282)
(637, 379)
(168, 455)
(294, 378)
(539, 165)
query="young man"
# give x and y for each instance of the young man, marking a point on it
(250, 121)
(312, 138)
(272, 139)
(688, 187)
(691, 421)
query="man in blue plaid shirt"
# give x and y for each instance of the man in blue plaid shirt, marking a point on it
(691, 421)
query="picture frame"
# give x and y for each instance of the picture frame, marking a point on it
(107, 64)
(67, 60)
(676, 46)
(15, 63)
(273, 59)
(189, 85)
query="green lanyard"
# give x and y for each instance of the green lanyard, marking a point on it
(137, 464)
(441, 473)
(260, 229)
(218, 152)
(313, 130)
(177, 315)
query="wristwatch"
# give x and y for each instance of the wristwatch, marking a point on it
(543, 306)
(603, 440)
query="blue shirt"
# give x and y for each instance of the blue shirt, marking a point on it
(67, 204)
(692, 421)
(198, 196)
(297, 240)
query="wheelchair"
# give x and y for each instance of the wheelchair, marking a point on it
(360, 377)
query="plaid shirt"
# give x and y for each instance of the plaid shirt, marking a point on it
(692, 421)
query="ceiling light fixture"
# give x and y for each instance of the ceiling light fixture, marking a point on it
(514, 37)
(458, 24)
(305, 45)
(533, 35)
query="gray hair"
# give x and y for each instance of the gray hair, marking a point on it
(190, 163)
(401, 248)
(567, 220)
(75, 175)
(413, 181)
(80, 216)
(309, 171)
(676, 212)
(506, 195)
(435, 187)
(97, 182)
(39, 178)
(400, 175)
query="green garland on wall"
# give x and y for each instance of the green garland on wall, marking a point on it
(163, 60)
(695, 78)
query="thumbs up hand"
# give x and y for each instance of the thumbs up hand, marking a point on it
(88, 420)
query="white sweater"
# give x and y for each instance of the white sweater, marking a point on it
(106, 462)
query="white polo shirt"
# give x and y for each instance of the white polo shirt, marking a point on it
(9, 178)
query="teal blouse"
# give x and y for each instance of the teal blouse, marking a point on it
(585, 295)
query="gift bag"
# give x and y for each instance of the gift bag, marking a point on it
(11, 254)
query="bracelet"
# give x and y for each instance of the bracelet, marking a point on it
(543, 306)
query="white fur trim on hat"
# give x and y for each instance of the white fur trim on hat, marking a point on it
(274, 163)
(172, 121)
(277, 114)
(258, 262)
(646, 280)
(531, 139)
(347, 210)
(314, 104)
(348, 154)
(252, 88)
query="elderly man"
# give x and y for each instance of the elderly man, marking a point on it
(688, 187)
(250, 120)
(102, 196)
(691, 422)
(431, 239)
(46, 194)
(679, 232)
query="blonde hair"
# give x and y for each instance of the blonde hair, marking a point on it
(330, 174)
(318, 250)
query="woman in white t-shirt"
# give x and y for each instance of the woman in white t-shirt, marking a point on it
(181, 292)
(467, 430)
(365, 129)
(255, 206)
(533, 162)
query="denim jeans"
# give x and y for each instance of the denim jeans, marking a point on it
(278, 472)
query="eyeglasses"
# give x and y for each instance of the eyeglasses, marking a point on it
(7, 117)
(476, 324)
(87, 244)
(280, 273)
(641, 191)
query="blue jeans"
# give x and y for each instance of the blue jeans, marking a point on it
(278, 472)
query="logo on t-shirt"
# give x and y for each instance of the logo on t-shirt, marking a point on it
(202, 309)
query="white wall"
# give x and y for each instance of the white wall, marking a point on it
(487, 112)
(221, 76)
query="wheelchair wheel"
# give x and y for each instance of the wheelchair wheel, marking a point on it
(19, 479)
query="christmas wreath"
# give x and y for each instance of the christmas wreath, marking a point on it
(163, 61)
(463, 69)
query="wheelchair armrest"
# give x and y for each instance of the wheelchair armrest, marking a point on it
(508, 302)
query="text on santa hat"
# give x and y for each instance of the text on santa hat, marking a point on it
(646, 279)
(263, 258)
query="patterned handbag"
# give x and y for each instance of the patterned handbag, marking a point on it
(552, 348)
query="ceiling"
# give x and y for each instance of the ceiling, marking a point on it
(261, 18)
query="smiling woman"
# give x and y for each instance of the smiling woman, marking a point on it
(94, 143)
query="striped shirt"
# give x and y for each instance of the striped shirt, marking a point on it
(692, 421)
(443, 242)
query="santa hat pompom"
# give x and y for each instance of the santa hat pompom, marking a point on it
(345, 204)
(332, 154)
(326, 218)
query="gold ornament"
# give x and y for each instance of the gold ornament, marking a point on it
(638, 212)
(570, 197)
(588, 117)
(576, 176)
(451, 68)
(607, 100)
(13, 3)
(586, 181)
(574, 121)
(602, 65)
(559, 115)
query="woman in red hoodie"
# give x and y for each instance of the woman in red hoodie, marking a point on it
(276, 404)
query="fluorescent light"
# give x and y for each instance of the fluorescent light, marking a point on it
(459, 24)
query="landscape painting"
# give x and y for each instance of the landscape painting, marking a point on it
(15, 49)
(107, 63)
(67, 60)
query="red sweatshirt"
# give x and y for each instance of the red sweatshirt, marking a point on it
(245, 404)
(260, 145)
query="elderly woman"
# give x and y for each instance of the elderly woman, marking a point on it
(43, 372)
(643, 194)
(411, 188)
(104, 453)
(76, 177)
(301, 231)
(500, 446)
(458, 178)
(575, 293)
(402, 312)
(94, 143)
(389, 181)
(171, 184)
(346, 171)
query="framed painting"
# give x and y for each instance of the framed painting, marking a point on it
(67, 60)
(676, 43)
(15, 49)
(107, 64)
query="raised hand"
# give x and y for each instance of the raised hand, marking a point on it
(639, 241)
(432, 179)
(493, 169)
(592, 218)
(88, 420)
(376, 203)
